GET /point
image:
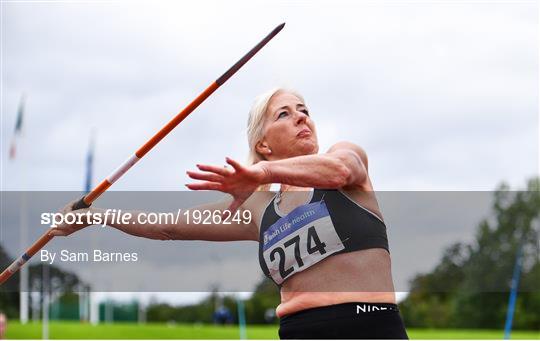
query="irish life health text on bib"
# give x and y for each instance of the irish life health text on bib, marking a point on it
(302, 238)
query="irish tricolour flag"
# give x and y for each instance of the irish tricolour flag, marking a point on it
(18, 130)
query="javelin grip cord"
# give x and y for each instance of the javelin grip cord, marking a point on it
(80, 204)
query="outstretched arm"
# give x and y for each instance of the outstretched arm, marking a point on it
(184, 229)
(343, 166)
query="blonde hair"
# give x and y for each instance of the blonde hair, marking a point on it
(256, 119)
(255, 125)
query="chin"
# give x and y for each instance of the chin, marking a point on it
(309, 148)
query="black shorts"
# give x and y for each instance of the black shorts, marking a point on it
(345, 321)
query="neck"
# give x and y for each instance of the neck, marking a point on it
(291, 188)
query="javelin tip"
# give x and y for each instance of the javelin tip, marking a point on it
(248, 55)
(279, 27)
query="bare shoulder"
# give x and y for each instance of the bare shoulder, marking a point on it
(257, 204)
(352, 147)
(363, 193)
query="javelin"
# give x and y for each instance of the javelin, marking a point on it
(88, 199)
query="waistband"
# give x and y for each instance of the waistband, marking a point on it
(342, 310)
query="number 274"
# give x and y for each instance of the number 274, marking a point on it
(314, 244)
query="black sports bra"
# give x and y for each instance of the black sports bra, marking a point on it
(330, 223)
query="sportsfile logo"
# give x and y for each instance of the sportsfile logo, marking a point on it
(367, 308)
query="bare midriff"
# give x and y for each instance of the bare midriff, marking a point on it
(360, 276)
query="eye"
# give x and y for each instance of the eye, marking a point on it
(282, 114)
(305, 111)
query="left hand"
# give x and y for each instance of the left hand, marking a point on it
(240, 182)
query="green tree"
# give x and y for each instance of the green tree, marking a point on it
(266, 296)
(63, 284)
(9, 297)
(470, 285)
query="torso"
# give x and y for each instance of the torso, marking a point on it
(312, 288)
(359, 276)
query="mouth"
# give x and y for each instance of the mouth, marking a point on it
(304, 133)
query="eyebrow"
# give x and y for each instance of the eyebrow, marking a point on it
(286, 107)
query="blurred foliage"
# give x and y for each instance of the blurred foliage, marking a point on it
(462, 291)
(63, 286)
(469, 288)
(9, 297)
(265, 297)
(120, 311)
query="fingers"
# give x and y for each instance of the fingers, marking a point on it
(223, 171)
(214, 169)
(214, 177)
(58, 232)
(207, 185)
(235, 205)
(237, 166)
(205, 176)
(69, 207)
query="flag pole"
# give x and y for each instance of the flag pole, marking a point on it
(45, 286)
(88, 199)
(23, 224)
(513, 292)
(89, 163)
(241, 318)
(514, 284)
(84, 292)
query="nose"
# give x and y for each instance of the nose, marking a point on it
(300, 117)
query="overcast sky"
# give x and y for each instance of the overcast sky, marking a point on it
(442, 95)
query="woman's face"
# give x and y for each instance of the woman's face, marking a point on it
(289, 130)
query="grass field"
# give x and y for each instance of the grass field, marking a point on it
(73, 330)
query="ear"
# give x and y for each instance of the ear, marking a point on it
(262, 148)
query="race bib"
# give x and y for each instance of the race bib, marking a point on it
(302, 238)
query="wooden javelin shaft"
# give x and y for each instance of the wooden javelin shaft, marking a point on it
(88, 199)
